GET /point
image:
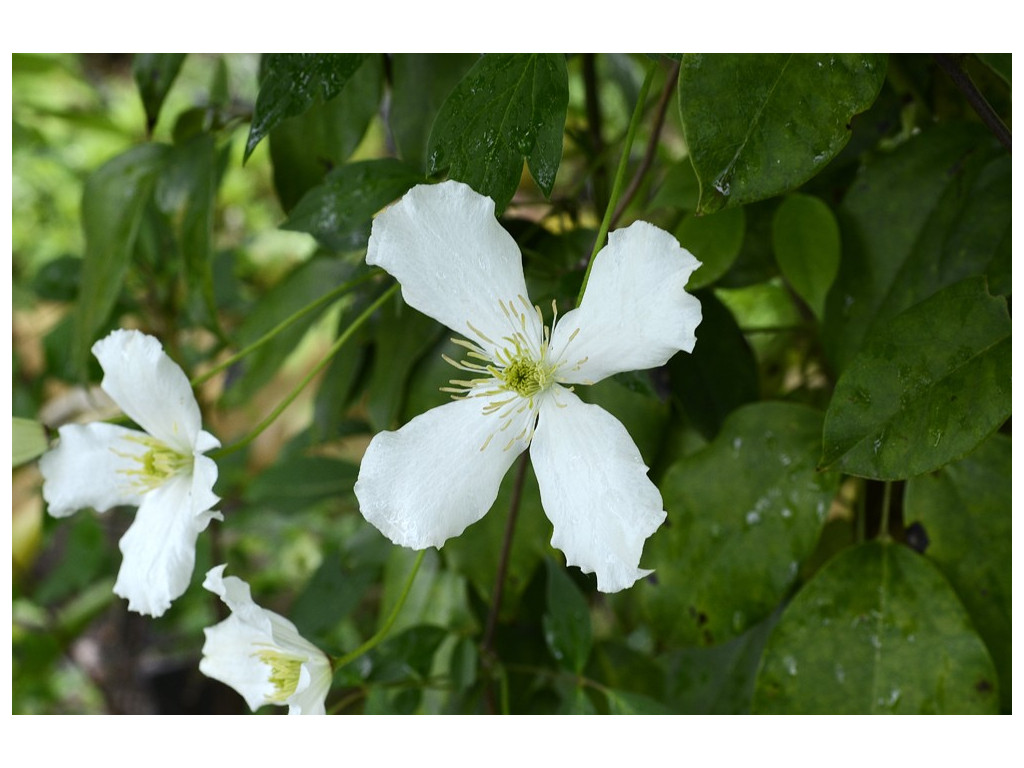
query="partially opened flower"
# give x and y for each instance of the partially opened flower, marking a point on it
(261, 654)
(440, 472)
(161, 471)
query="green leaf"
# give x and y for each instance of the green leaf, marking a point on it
(1000, 63)
(113, 203)
(566, 621)
(509, 106)
(304, 148)
(878, 630)
(715, 240)
(291, 82)
(154, 75)
(966, 510)
(339, 211)
(760, 124)
(719, 375)
(924, 390)
(625, 703)
(935, 211)
(805, 237)
(29, 440)
(743, 513)
(420, 82)
(298, 482)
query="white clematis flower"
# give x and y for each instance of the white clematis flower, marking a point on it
(161, 471)
(440, 472)
(261, 654)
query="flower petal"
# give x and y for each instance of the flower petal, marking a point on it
(595, 490)
(454, 261)
(89, 466)
(159, 548)
(429, 480)
(150, 387)
(635, 313)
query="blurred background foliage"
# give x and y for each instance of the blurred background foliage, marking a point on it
(834, 457)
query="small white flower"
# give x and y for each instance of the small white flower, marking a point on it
(440, 472)
(161, 471)
(261, 654)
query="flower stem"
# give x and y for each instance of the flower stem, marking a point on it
(620, 174)
(338, 344)
(383, 631)
(883, 526)
(326, 298)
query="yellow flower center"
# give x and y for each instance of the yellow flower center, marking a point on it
(156, 464)
(284, 672)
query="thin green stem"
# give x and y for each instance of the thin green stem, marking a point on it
(383, 631)
(338, 344)
(326, 298)
(620, 174)
(883, 526)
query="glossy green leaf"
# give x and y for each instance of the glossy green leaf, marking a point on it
(29, 440)
(154, 75)
(291, 82)
(715, 241)
(306, 147)
(805, 238)
(113, 203)
(743, 513)
(507, 107)
(758, 125)
(420, 82)
(924, 390)
(566, 621)
(878, 630)
(339, 211)
(966, 510)
(935, 211)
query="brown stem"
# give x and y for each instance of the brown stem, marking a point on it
(951, 65)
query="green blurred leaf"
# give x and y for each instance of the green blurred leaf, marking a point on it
(408, 654)
(878, 630)
(339, 211)
(760, 124)
(743, 513)
(291, 82)
(298, 482)
(625, 703)
(508, 106)
(715, 240)
(966, 510)
(113, 203)
(29, 440)
(154, 75)
(332, 594)
(567, 620)
(1000, 63)
(924, 390)
(935, 211)
(304, 148)
(420, 82)
(805, 237)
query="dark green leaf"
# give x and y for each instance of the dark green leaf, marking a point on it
(805, 237)
(965, 509)
(332, 594)
(113, 203)
(338, 212)
(291, 82)
(644, 415)
(878, 630)
(715, 241)
(924, 390)
(509, 106)
(625, 703)
(407, 654)
(743, 514)
(1000, 63)
(298, 482)
(760, 124)
(154, 75)
(29, 440)
(566, 620)
(304, 148)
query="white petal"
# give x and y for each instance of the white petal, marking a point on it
(454, 261)
(159, 548)
(635, 313)
(229, 656)
(429, 480)
(150, 387)
(595, 490)
(89, 467)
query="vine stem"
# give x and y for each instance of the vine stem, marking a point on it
(883, 526)
(370, 644)
(954, 69)
(620, 173)
(338, 344)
